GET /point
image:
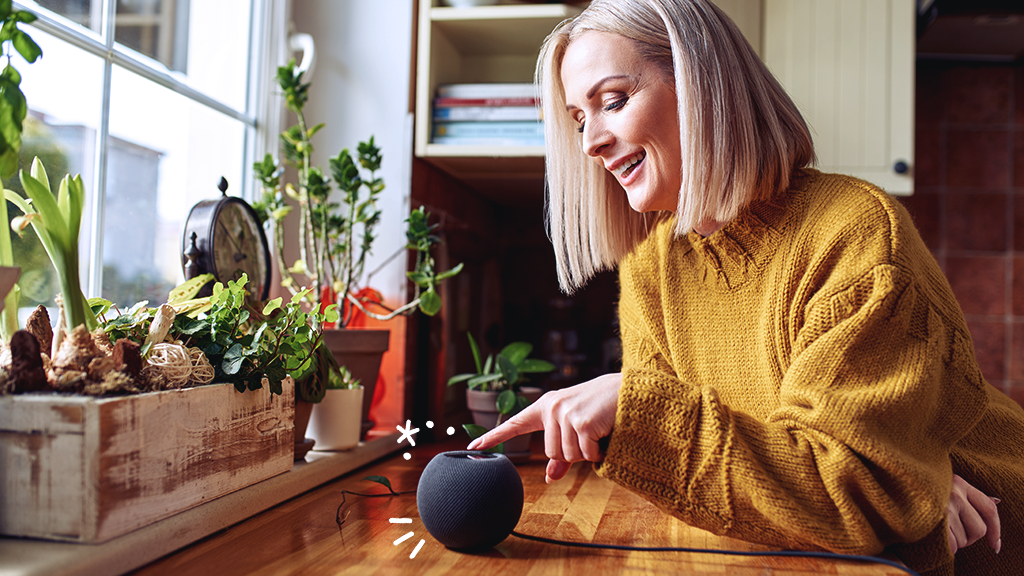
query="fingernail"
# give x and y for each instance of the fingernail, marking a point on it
(547, 480)
(999, 545)
(996, 500)
(473, 444)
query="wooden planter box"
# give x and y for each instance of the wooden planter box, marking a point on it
(90, 469)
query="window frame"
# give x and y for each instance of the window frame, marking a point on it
(261, 117)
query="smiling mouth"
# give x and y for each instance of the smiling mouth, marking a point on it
(629, 165)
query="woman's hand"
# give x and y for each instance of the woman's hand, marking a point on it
(573, 420)
(972, 514)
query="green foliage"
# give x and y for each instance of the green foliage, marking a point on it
(335, 237)
(341, 379)
(13, 107)
(382, 481)
(503, 373)
(57, 222)
(246, 343)
(475, 431)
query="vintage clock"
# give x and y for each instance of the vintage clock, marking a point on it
(224, 237)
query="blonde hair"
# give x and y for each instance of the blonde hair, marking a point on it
(740, 134)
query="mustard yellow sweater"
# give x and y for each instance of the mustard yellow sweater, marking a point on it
(804, 378)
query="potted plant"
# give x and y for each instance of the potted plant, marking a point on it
(335, 236)
(336, 424)
(496, 392)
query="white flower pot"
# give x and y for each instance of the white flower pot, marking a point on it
(335, 422)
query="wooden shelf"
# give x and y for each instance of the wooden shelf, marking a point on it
(483, 44)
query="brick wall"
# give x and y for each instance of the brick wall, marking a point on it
(969, 202)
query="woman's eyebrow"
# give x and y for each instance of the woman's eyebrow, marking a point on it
(597, 86)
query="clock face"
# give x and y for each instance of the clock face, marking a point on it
(237, 247)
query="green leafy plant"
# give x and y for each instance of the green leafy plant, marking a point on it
(336, 236)
(248, 346)
(13, 109)
(13, 106)
(342, 380)
(57, 222)
(503, 373)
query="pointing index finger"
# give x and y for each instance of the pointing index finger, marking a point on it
(527, 421)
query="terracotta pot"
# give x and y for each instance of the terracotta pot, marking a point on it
(486, 414)
(335, 422)
(302, 412)
(360, 350)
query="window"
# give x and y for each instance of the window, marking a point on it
(152, 102)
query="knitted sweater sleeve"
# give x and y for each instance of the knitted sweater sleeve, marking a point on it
(854, 457)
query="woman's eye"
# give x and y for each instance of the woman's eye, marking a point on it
(580, 129)
(615, 105)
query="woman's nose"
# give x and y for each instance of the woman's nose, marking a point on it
(596, 138)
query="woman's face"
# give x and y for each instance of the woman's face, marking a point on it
(626, 109)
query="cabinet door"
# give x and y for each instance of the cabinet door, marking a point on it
(849, 66)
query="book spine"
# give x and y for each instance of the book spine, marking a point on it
(490, 129)
(493, 90)
(471, 141)
(488, 113)
(456, 102)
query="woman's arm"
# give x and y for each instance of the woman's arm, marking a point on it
(854, 456)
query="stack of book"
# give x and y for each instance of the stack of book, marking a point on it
(487, 114)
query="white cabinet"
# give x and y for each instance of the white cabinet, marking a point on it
(849, 66)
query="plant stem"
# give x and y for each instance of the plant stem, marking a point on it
(9, 319)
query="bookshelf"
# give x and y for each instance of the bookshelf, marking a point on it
(482, 44)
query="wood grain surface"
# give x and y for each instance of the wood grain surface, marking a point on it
(89, 469)
(301, 536)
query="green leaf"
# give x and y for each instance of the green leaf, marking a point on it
(516, 352)
(430, 302)
(533, 365)
(476, 381)
(460, 378)
(449, 273)
(419, 278)
(508, 370)
(476, 352)
(100, 306)
(506, 401)
(475, 431)
(233, 359)
(274, 304)
(382, 480)
(27, 47)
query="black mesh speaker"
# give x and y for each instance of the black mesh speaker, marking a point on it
(470, 500)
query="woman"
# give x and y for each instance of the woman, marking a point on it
(796, 371)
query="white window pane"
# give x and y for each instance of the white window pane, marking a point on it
(218, 48)
(165, 153)
(85, 13)
(205, 43)
(64, 93)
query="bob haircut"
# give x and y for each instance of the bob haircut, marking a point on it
(740, 134)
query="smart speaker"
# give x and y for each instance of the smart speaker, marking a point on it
(470, 500)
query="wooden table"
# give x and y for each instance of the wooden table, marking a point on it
(301, 536)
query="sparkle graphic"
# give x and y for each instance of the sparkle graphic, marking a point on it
(407, 433)
(430, 424)
(407, 535)
(451, 430)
